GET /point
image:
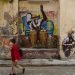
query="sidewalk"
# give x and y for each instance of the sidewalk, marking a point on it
(40, 62)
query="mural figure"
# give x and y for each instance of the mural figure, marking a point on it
(68, 44)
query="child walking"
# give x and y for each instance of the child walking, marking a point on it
(15, 56)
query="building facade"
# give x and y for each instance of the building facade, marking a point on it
(40, 29)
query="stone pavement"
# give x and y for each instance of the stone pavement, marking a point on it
(47, 70)
(41, 62)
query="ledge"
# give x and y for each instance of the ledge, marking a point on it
(39, 49)
(29, 53)
(41, 62)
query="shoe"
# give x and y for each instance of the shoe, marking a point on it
(23, 70)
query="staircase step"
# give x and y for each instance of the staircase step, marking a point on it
(37, 53)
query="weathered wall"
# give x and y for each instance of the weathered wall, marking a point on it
(8, 20)
(67, 15)
(1, 13)
(12, 9)
(53, 6)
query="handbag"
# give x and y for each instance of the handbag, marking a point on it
(21, 52)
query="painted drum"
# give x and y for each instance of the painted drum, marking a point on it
(33, 37)
(43, 38)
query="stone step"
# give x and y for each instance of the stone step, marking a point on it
(36, 53)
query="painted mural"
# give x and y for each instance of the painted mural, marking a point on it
(68, 44)
(38, 29)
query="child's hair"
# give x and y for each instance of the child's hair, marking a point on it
(13, 41)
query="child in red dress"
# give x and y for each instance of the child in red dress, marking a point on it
(15, 56)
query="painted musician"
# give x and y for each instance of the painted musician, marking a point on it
(40, 26)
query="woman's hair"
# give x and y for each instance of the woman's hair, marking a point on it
(13, 41)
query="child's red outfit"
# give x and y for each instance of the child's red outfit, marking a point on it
(15, 55)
